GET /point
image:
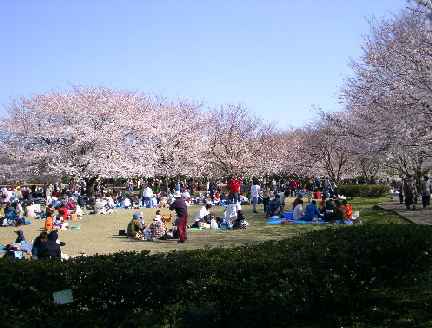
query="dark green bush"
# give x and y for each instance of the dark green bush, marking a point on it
(321, 275)
(363, 190)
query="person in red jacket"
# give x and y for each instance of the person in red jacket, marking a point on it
(179, 205)
(63, 212)
(234, 188)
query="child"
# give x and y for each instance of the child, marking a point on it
(157, 228)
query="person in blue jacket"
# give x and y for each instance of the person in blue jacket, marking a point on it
(311, 211)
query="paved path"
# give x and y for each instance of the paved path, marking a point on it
(419, 216)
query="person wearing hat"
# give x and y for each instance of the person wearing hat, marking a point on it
(134, 227)
(180, 207)
(157, 228)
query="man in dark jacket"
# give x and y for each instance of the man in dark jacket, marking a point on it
(179, 205)
(52, 247)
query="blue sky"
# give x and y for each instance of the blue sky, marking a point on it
(277, 57)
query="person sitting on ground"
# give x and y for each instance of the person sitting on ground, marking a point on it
(53, 247)
(311, 212)
(348, 210)
(10, 212)
(70, 204)
(78, 211)
(49, 211)
(39, 249)
(340, 211)
(204, 213)
(322, 205)
(110, 202)
(30, 210)
(298, 210)
(240, 222)
(142, 224)
(126, 203)
(100, 206)
(158, 228)
(330, 210)
(20, 236)
(58, 222)
(273, 208)
(214, 223)
(297, 200)
(63, 212)
(134, 227)
(216, 198)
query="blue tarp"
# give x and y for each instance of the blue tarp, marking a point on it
(278, 220)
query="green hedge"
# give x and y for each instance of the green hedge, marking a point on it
(363, 190)
(323, 275)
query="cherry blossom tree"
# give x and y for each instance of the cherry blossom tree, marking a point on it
(84, 132)
(177, 139)
(328, 152)
(389, 96)
(237, 142)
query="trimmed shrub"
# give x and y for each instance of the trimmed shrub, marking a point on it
(322, 275)
(363, 190)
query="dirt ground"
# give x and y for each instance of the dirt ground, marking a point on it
(98, 234)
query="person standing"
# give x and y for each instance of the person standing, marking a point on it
(255, 192)
(180, 207)
(266, 200)
(426, 191)
(130, 185)
(408, 193)
(234, 185)
(147, 196)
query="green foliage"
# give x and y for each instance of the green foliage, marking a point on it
(363, 190)
(326, 275)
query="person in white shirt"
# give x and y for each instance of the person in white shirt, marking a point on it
(126, 203)
(204, 213)
(147, 196)
(282, 200)
(298, 210)
(255, 191)
(186, 195)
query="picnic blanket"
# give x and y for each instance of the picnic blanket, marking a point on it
(307, 222)
(197, 229)
(278, 220)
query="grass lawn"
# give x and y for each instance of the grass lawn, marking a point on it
(373, 215)
(99, 234)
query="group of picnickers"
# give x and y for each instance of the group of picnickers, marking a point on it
(137, 228)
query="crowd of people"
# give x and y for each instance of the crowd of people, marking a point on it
(63, 204)
(233, 218)
(335, 209)
(409, 190)
(45, 246)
